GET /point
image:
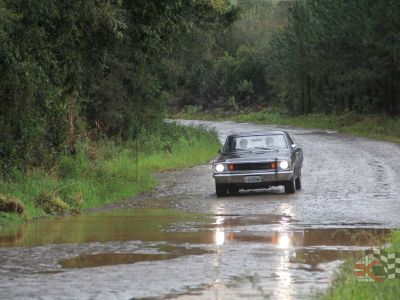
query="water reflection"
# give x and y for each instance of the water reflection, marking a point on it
(219, 236)
(283, 287)
(310, 247)
(313, 257)
(108, 259)
(123, 225)
(178, 227)
(219, 230)
(215, 234)
(283, 240)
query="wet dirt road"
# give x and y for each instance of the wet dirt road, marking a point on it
(182, 242)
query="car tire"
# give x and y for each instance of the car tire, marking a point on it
(290, 186)
(233, 190)
(221, 189)
(298, 183)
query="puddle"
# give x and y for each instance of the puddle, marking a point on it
(108, 259)
(248, 220)
(124, 225)
(146, 225)
(172, 252)
(360, 237)
(160, 234)
(314, 257)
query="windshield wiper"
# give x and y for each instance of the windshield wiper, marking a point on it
(238, 150)
(264, 148)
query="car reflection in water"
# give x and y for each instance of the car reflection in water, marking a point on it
(305, 249)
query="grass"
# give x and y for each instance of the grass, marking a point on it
(347, 287)
(379, 127)
(106, 171)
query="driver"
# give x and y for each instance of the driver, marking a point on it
(269, 142)
(243, 144)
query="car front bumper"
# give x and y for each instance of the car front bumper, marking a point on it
(266, 177)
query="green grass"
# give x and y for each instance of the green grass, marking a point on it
(346, 286)
(379, 127)
(106, 171)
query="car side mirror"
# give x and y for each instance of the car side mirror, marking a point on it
(293, 146)
(220, 151)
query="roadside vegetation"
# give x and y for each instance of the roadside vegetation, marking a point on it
(346, 286)
(81, 82)
(103, 172)
(380, 127)
(374, 126)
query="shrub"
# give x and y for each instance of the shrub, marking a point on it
(51, 203)
(11, 205)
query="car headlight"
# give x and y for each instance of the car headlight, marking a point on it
(219, 168)
(284, 164)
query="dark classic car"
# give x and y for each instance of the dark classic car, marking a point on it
(258, 160)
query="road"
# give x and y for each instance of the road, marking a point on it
(182, 242)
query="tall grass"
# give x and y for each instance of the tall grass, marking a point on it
(110, 170)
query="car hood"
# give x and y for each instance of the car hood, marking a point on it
(255, 156)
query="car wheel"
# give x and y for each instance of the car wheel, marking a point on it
(298, 183)
(233, 190)
(221, 189)
(290, 186)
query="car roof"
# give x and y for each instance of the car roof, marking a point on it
(255, 133)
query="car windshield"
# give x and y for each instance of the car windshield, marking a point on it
(255, 143)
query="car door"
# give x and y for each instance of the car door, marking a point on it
(296, 154)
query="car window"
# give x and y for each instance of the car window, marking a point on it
(276, 141)
(290, 140)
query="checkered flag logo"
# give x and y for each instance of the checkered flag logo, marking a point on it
(389, 260)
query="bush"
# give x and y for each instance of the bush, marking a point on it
(51, 203)
(11, 205)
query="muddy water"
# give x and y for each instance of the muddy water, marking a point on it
(180, 241)
(145, 225)
(115, 253)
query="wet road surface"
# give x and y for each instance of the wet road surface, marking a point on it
(182, 242)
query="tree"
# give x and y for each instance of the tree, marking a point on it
(339, 56)
(68, 67)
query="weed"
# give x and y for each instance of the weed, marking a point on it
(51, 203)
(11, 205)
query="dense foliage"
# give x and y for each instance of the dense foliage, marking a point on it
(336, 56)
(73, 70)
(79, 69)
(303, 56)
(227, 67)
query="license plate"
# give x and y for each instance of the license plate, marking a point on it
(252, 179)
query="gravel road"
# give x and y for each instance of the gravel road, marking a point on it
(258, 245)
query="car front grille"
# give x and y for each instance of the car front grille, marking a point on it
(252, 166)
